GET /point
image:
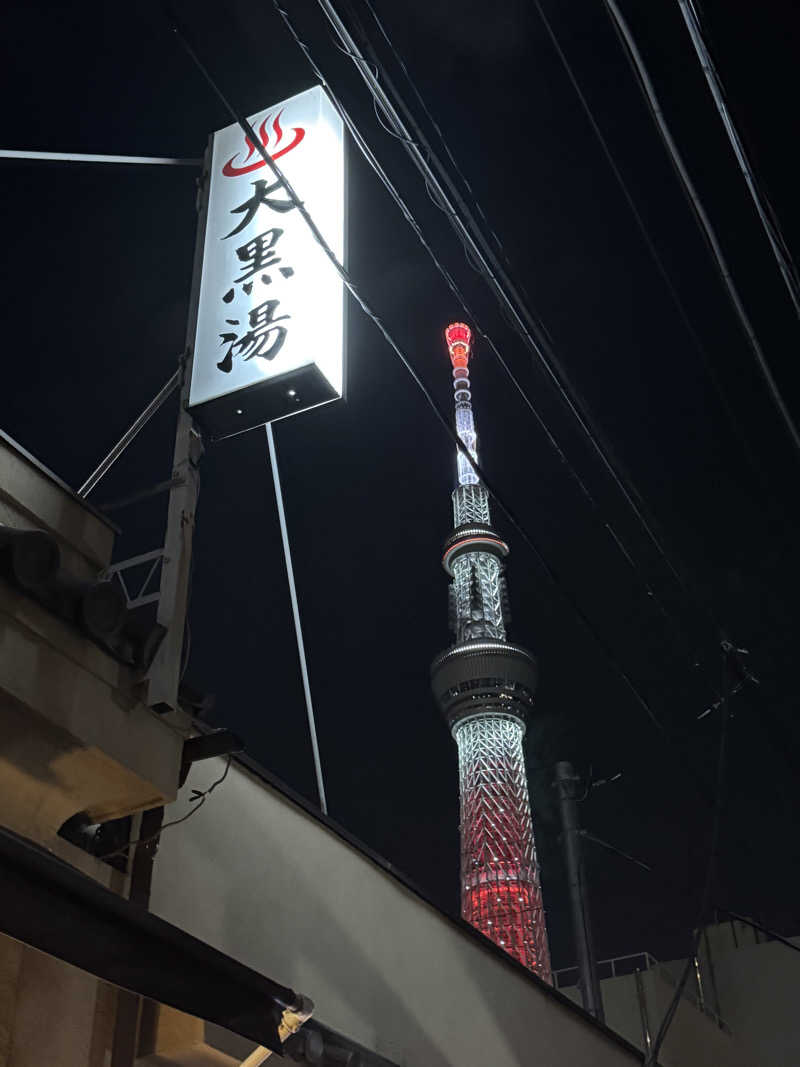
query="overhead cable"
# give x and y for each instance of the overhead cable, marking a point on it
(508, 297)
(651, 248)
(765, 211)
(617, 851)
(700, 214)
(690, 594)
(505, 290)
(432, 120)
(405, 210)
(687, 591)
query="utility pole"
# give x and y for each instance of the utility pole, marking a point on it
(566, 783)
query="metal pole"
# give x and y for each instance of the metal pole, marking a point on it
(85, 157)
(298, 630)
(643, 1015)
(698, 981)
(565, 785)
(106, 464)
(712, 974)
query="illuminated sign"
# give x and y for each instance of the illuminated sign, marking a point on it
(269, 338)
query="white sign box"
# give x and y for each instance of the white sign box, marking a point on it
(269, 337)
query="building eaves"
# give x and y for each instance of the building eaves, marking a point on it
(50, 906)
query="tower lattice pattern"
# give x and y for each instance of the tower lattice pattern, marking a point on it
(470, 505)
(500, 890)
(485, 687)
(479, 602)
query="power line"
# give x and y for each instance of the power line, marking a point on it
(413, 146)
(426, 110)
(505, 290)
(700, 215)
(648, 241)
(763, 207)
(617, 851)
(452, 285)
(375, 61)
(680, 307)
(651, 248)
(628, 489)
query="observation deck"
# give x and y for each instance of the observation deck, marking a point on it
(477, 678)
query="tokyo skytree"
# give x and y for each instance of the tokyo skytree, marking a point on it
(484, 686)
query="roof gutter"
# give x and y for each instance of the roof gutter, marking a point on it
(50, 906)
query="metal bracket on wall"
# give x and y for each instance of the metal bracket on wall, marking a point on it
(119, 570)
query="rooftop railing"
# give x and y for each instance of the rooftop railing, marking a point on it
(639, 962)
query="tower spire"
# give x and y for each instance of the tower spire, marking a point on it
(484, 686)
(459, 342)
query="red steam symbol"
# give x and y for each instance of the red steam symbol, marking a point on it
(230, 171)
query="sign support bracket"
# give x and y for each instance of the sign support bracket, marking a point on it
(163, 678)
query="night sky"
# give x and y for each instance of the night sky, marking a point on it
(96, 274)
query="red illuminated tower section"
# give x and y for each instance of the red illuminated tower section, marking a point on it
(485, 685)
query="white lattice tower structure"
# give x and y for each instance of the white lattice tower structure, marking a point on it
(485, 686)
